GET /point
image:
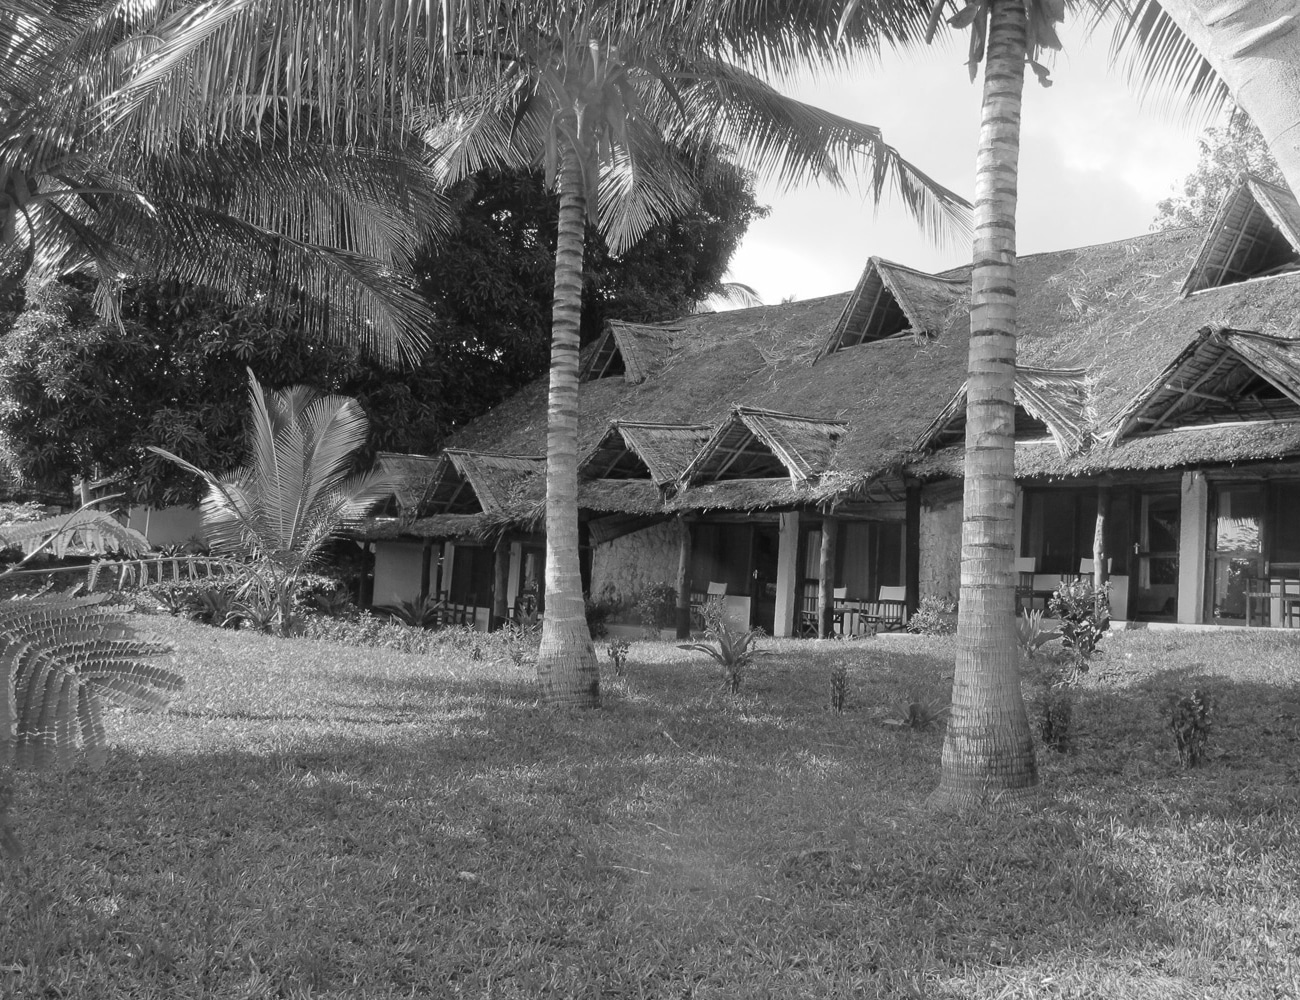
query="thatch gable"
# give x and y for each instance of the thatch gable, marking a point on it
(448, 527)
(1256, 233)
(468, 482)
(634, 350)
(413, 474)
(765, 444)
(1223, 376)
(639, 450)
(1049, 402)
(890, 300)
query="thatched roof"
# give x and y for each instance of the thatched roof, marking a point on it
(1113, 311)
(1255, 233)
(469, 482)
(634, 350)
(413, 475)
(1048, 402)
(1223, 376)
(756, 444)
(638, 450)
(440, 526)
(891, 299)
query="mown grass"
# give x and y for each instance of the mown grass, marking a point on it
(310, 820)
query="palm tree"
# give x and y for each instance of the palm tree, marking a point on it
(298, 490)
(260, 211)
(1203, 52)
(603, 112)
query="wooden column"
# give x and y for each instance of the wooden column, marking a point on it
(500, 580)
(1100, 571)
(912, 549)
(826, 574)
(683, 578)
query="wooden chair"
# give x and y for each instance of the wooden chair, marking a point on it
(889, 611)
(716, 589)
(1026, 567)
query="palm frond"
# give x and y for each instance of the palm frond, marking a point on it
(641, 183)
(94, 531)
(1160, 61)
(791, 142)
(60, 657)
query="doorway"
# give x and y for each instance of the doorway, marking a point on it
(1156, 598)
(764, 550)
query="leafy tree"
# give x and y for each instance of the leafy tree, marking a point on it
(82, 399)
(297, 490)
(1226, 152)
(92, 181)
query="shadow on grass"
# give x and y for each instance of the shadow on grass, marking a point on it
(675, 843)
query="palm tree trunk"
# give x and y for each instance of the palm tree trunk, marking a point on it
(988, 755)
(567, 672)
(1254, 46)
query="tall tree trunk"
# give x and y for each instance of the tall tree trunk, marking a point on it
(567, 672)
(1254, 46)
(988, 755)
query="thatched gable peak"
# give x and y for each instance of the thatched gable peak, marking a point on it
(1223, 376)
(631, 449)
(1256, 234)
(765, 444)
(1049, 401)
(413, 475)
(473, 482)
(891, 300)
(634, 350)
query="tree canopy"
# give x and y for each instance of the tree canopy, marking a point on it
(79, 397)
(1227, 151)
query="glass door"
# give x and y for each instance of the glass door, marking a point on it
(1157, 557)
(1237, 552)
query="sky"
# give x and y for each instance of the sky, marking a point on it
(1094, 163)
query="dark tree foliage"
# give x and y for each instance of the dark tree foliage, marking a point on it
(81, 399)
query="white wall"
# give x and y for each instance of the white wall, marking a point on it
(1194, 508)
(397, 572)
(167, 525)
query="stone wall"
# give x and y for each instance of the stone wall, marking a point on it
(940, 547)
(627, 565)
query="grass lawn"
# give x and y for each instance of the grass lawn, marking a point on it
(310, 820)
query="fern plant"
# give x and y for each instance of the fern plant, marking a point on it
(62, 657)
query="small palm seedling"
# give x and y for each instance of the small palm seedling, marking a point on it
(1190, 721)
(839, 685)
(918, 716)
(736, 650)
(618, 649)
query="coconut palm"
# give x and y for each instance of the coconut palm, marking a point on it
(604, 117)
(260, 211)
(296, 493)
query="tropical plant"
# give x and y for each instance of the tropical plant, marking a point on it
(1190, 720)
(296, 493)
(736, 650)
(618, 650)
(918, 716)
(96, 181)
(1084, 613)
(933, 616)
(63, 657)
(1030, 633)
(426, 613)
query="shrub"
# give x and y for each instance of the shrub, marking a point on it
(426, 613)
(618, 649)
(918, 716)
(656, 607)
(1084, 613)
(1058, 717)
(599, 611)
(934, 616)
(839, 685)
(521, 640)
(735, 650)
(1190, 722)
